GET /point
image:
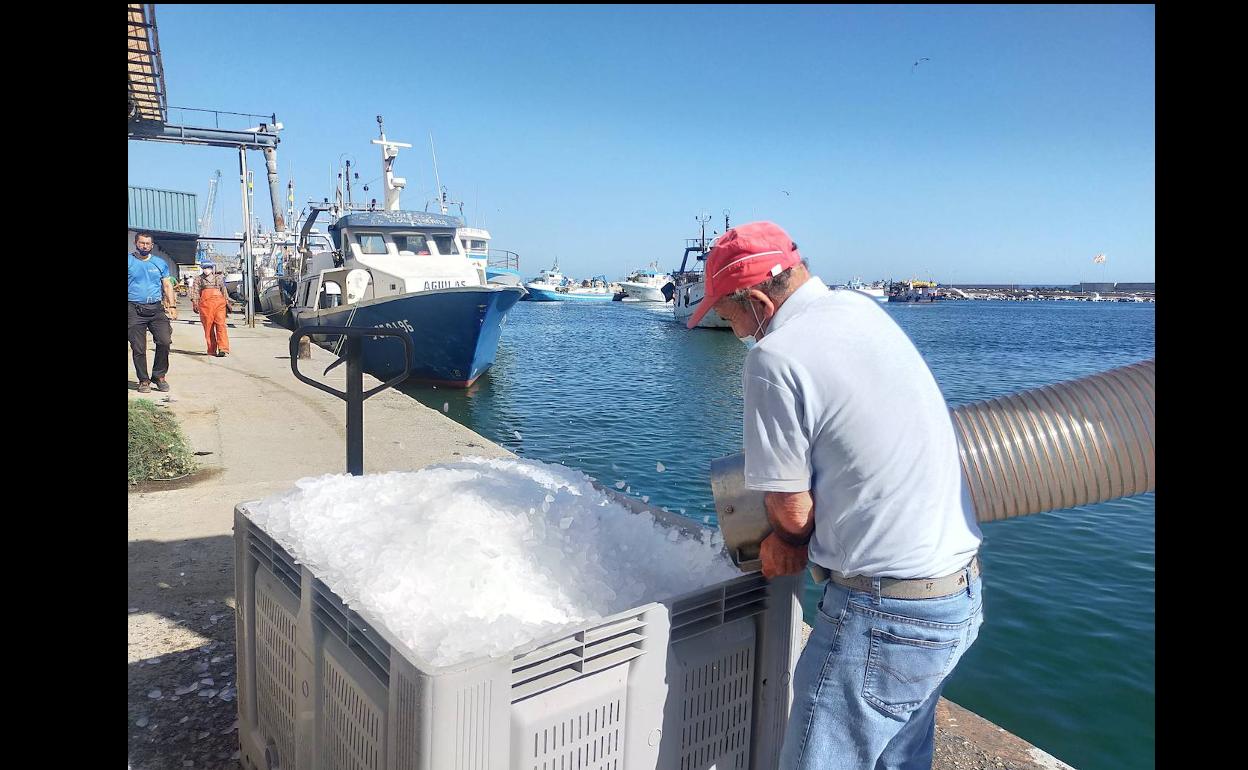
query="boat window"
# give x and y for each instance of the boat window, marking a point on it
(371, 243)
(479, 245)
(330, 295)
(446, 245)
(412, 243)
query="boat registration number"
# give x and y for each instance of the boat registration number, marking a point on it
(403, 325)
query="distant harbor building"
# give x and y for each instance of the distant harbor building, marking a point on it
(1087, 287)
(1133, 287)
(171, 218)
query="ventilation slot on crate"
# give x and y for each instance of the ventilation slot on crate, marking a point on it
(715, 716)
(273, 557)
(588, 741)
(275, 667)
(581, 654)
(701, 612)
(745, 599)
(352, 725)
(351, 630)
(407, 739)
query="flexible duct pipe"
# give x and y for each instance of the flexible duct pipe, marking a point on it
(1074, 443)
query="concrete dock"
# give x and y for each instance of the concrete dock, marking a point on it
(256, 430)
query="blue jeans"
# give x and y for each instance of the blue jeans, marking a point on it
(865, 688)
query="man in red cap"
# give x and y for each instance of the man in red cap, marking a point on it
(850, 439)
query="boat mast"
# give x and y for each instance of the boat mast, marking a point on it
(437, 179)
(349, 201)
(702, 220)
(390, 151)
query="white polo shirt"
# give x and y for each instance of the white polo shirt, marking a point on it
(838, 401)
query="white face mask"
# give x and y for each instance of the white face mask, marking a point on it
(750, 341)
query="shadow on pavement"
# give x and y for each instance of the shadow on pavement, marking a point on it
(181, 699)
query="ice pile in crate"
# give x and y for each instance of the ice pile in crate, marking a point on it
(501, 614)
(479, 557)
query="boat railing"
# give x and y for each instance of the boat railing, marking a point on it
(503, 258)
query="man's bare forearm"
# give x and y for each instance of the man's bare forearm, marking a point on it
(791, 515)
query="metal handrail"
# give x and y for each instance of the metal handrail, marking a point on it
(503, 258)
(355, 394)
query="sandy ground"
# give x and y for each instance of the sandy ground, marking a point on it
(256, 430)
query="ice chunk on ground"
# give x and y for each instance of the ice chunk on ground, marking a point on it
(478, 557)
(153, 694)
(645, 498)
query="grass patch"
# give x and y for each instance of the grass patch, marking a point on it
(156, 448)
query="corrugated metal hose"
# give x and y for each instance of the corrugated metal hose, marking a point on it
(1074, 443)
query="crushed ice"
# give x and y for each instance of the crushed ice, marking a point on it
(478, 557)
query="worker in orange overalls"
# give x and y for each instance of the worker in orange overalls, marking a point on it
(208, 299)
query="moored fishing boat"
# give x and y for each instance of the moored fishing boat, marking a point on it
(402, 270)
(688, 286)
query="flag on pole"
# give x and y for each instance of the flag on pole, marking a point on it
(1099, 259)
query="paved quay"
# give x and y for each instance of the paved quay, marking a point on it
(256, 430)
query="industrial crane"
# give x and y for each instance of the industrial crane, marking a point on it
(205, 224)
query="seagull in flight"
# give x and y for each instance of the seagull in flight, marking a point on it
(786, 192)
(915, 66)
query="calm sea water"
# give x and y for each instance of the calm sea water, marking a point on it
(1066, 655)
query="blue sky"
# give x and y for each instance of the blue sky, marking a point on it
(1023, 147)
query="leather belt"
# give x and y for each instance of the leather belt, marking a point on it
(917, 588)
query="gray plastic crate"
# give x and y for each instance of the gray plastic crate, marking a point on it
(696, 682)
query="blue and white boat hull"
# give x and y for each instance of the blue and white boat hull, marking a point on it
(454, 331)
(550, 295)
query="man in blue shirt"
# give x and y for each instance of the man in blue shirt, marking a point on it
(150, 292)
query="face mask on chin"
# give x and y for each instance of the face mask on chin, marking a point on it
(750, 340)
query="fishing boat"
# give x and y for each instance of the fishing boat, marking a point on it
(407, 270)
(914, 292)
(874, 290)
(546, 283)
(646, 285)
(688, 288)
(595, 289)
(501, 267)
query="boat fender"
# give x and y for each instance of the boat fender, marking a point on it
(357, 283)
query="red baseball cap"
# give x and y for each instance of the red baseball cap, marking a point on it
(743, 257)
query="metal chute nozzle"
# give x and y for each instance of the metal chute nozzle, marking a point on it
(742, 514)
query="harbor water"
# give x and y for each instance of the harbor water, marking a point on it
(1065, 658)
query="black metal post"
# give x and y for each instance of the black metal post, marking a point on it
(355, 406)
(354, 395)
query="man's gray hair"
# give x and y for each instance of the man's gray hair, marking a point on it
(776, 286)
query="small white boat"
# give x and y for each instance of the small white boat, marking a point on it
(874, 290)
(646, 285)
